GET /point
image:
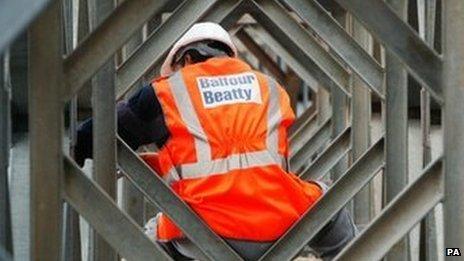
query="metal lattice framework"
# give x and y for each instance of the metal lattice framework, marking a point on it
(315, 46)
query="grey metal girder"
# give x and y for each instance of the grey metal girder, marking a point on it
(287, 56)
(159, 43)
(45, 133)
(335, 151)
(398, 217)
(302, 150)
(105, 40)
(5, 144)
(261, 55)
(102, 213)
(453, 80)
(160, 194)
(305, 119)
(360, 122)
(103, 128)
(14, 18)
(421, 61)
(275, 19)
(304, 126)
(226, 13)
(355, 178)
(220, 12)
(396, 131)
(341, 42)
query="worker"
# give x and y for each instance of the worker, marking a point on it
(221, 129)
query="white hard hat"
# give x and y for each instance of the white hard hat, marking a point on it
(198, 32)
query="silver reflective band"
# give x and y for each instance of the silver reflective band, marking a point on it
(274, 118)
(223, 166)
(205, 166)
(189, 116)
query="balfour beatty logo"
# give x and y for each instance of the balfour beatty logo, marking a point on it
(229, 89)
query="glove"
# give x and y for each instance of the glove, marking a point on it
(150, 228)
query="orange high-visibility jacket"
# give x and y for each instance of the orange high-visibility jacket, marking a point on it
(227, 152)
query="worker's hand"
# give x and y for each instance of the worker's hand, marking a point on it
(150, 228)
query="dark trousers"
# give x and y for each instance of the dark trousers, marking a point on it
(327, 243)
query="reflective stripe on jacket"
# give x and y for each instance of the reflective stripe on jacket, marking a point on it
(227, 152)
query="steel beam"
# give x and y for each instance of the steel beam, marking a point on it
(261, 55)
(159, 43)
(453, 82)
(45, 132)
(301, 152)
(421, 61)
(104, 126)
(97, 207)
(307, 118)
(290, 34)
(105, 40)
(20, 194)
(14, 18)
(340, 103)
(341, 42)
(5, 145)
(225, 12)
(428, 238)
(396, 131)
(335, 151)
(132, 200)
(396, 169)
(160, 194)
(299, 136)
(288, 57)
(5, 255)
(71, 225)
(360, 173)
(400, 216)
(361, 116)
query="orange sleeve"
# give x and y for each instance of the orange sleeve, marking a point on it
(288, 117)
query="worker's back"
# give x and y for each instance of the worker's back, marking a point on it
(226, 155)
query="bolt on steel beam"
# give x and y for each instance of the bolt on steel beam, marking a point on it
(400, 215)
